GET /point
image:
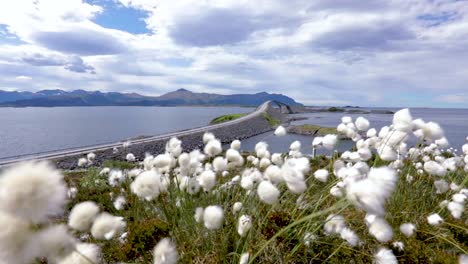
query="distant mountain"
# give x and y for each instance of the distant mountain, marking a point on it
(51, 98)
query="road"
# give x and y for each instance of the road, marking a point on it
(85, 150)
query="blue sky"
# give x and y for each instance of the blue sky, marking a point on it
(320, 52)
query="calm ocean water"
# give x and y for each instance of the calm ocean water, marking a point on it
(36, 129)
(33, 130)
(453, 121)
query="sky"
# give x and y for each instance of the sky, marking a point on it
(391, 53)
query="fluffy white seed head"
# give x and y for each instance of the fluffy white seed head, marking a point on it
(15, 240)
(207, 137)
(273, 174)
(220, 164)
(362, 124)
(199, 214)
(236, 207)
(350, 236)
(267, 192)
(280, 131)
(32, 191)
(381, 230)
(147, 185)
(334, 224)
(329, 141)
(402, 120)
(244, 259)
(82, 216)
(55, 242)
(407, 229)
(434, 219)
(213, 217)
(441, 186)
(130, 157)
(91, 252)
(236, 144)
(456, 209)
(207, 180)
(213, 148)
(119, 202)
(82, 162)
(165, 252)
(243, 225)
(107, 226)
(385, 256)
(321, 175)
(434, 168)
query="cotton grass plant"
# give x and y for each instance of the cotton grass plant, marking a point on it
(383, 201)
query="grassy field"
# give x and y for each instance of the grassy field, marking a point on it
(309, 129)
(225, 118)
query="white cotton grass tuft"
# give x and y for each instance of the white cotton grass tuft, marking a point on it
(236, 207)
(371, 193)
(165, 252)
(147, 185)
(402, 120)
(107, 226)
(82, 216)
(435, 219)
(15, 240)
(236, 144)
(350, 236)
(334, 224)
(244, 259)
(441, 186)
(130, 157)
(119, 202)
(243, 225)
(434, 168)
(280, 131)
(381, 230)
(32, 191)
(207, 180)
(385, 256)
(329, 141)
(55, 242)
(213, 217)
(362, 124)
(321, 175)
(213, 148)
(83, 254)
(267, 192)
(82, 162)
(207, 137)
(407, 229)
(456, 209)
(91, 156)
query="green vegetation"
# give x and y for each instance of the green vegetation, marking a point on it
(281, 232)
(335, 109)
(118, 164)
(271, 120)
(308, 129)
(225, 118)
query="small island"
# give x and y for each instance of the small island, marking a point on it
(309, 129)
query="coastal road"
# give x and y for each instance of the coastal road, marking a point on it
(85, 150)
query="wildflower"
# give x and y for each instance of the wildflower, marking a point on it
(106, 226)
(334, 224)
(463, 259)
(163, 161)
(82, 216)
(120, 202)
(407, 229)
(104, 171)
(71, 192)
(116, 177)
(220, 164)
(308, 237)
(264, 162)
(207, 137)
(33, 191)
(387, 153)
(385, 256)
(91, 156)
(273, 173)
(83, 254)
(147, 185)
(213, 148)
(321, 175)
(207, 180)
(434, 168)
(236, 145)
(174, 147)
(370, 194)
(459, 198)
(329, 141)
(362, 124)
(165, 252)
(350, 236)
(55, 242)
(434, 219)
(432, 131)
(267, 192)
(82, 162)
(130, 157)
(295, 146)
(346, 119)
(280, 131)
(381, 230)
(371, 133)
(244, 259)
(213, 217)
(199, 214)
(236, 207)
(15, 240)
(456, 209)
(402, 120)
(244, 224)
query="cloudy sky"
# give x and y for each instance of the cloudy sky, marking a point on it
(320, 52)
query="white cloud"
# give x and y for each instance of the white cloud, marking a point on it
(320, 52)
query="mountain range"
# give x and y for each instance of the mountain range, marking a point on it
(50, 98)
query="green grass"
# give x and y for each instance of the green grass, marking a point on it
(308, 129)
(271, 120)
(278, 231)
(225, 118)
